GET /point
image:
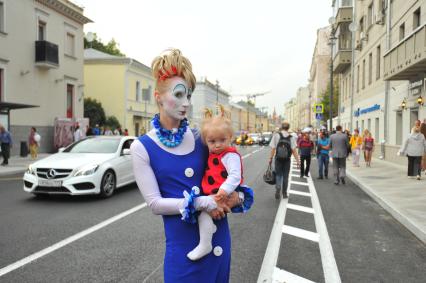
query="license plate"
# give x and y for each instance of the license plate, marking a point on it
(50, 183)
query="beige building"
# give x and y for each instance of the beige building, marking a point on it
(124, 86)
(304, 107)
(319, 73)
(384, 87)
(41, 64)
(291, 114)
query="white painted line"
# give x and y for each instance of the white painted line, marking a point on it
(282, 276)
(295, 175)
(247, 155)
(292, 192)
(329, 265)
(299, 183)
(68, 240)
(272, 250)
(300, 208)
(304, 234)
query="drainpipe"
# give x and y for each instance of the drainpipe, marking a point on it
(126, 82)
(351, 122)
(387, 83)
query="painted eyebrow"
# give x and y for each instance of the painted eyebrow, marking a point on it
(180, 85)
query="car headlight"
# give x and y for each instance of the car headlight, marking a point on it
(86, 170)
(31, 170)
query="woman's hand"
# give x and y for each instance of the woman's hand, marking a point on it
(220, 211)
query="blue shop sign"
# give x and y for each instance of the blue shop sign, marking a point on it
(359, 111)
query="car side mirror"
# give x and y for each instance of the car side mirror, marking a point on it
(61, 149)
(126, 151)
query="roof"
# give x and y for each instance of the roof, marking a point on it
(91, 53)
(93, 56)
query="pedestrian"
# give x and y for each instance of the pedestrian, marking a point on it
(34, 142)
(117, 131)
(414, 148)
(78, 134)
(126, 132)
(305, 147)
(222, 177)
(356, 144)
(283, 146)
(339, 152)
(96, 130)
(423, 131)
(323, 147)
(368, 147)
(108, 131)
(6, 145)
(167, 163)
(89, 131)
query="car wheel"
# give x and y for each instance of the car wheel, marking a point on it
(108, 184)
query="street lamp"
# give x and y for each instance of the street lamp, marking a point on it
(331, 42)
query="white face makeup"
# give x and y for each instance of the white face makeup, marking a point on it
(177, 99)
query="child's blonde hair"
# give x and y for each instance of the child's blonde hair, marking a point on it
(169, 64)
(221, 120)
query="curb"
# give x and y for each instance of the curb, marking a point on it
(12, 172)
(412, 227)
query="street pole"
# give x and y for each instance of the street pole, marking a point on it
(331, 79)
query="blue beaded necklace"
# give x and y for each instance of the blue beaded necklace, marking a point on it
(170, 138)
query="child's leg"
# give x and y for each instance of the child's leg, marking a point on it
(206, 228)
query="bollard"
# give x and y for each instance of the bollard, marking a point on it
(24, 149)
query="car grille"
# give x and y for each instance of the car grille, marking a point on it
(59, 173)
(42, 189)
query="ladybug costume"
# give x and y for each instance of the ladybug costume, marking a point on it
(215, 174)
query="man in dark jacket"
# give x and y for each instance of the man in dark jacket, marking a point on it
(339, 152)
(6, 144)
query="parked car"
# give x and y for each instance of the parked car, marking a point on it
(247, 141)
(95, 165)
(266, 138)
(255, 137)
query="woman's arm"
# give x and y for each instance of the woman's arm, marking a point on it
(147, 184)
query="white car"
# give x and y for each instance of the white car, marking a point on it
(95, 165)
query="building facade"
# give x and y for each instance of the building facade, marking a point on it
(41, 64)
(303, 101)
(124, 86)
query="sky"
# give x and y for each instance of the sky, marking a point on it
(249, 46)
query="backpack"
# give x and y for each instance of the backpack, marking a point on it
(283, 151)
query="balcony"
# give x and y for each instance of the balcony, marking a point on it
(342, 61)
(407, 59)
(46, 54)
(344, 15)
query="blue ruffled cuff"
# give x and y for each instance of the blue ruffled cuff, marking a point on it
(248, 199)
(189, 213)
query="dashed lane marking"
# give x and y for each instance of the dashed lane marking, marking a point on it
(279, 274)
(299, 183)
(292, 192)
(301, 233)
(300, 208)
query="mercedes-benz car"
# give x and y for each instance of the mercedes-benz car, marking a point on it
(95, 165)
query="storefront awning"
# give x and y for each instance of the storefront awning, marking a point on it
(5, 107)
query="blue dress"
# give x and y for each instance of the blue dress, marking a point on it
(183, 237)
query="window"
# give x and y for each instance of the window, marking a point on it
(70, 44)
(370, 68)
(378, 59)
(401, 32)
(41, 30)
(370, 15)
(416, 19)
(357, 81)
(146, 93)
(1, 16)
(70, 100)
(363, 74)
(138, 91)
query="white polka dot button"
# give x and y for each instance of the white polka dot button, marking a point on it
(196, 190)
(217, 251)
(189, 172)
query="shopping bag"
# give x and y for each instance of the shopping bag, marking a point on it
(269, 176)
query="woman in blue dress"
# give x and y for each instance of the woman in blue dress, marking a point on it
(170, 160)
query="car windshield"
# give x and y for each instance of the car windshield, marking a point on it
(94, 145)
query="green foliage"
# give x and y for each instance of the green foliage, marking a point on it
(110, 48)
(112, 122)
(94, 111)
(325, 99)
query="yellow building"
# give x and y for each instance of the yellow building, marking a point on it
(124, 86)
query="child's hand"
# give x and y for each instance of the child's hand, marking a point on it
(233, 200)
(220, 196)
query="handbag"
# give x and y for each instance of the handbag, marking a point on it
(269, 176)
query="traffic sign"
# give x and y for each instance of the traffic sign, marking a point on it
(319, 108)
(318, 116)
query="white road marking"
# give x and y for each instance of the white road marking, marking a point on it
(295, 175)
(299, 183)
(282, 276)
(152, 273)
(293, 192)
(301, 233)
(247, 155)
(68, 240)
(300, 208)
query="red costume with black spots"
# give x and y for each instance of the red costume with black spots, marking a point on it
(215, 174)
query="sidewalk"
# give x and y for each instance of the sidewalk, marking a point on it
(388, 184)
(18, 165)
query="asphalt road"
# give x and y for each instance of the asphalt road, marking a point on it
(368, 244)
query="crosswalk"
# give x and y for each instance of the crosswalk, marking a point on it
(270, 272)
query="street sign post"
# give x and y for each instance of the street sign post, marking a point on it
(318, 116)
(318, 108)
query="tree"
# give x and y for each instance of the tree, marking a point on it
(94, 111)
(112, 122)
(110, 48)
(325, 100)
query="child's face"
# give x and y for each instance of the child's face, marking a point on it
(217, 141)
